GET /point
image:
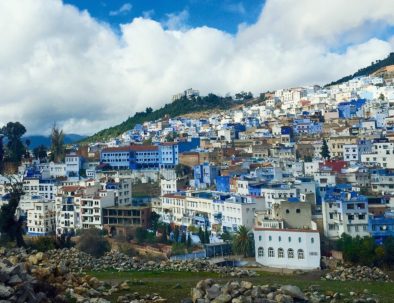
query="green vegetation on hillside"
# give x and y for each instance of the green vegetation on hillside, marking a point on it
(179, 107)
(367, 70)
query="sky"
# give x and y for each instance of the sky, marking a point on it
(90, 64)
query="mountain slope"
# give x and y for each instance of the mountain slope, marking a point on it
(367, 70)
(176, 108)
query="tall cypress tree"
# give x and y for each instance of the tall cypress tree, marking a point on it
(11, 226)
(325, 151)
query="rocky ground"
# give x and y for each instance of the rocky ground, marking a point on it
(57, 276)
(244, 292)
(77, 261)
(357, 273)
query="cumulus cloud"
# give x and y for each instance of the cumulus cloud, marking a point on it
(123, 10)
(59, 64)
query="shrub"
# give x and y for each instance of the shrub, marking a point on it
(93, 242)
(178, 249)
(44, 244)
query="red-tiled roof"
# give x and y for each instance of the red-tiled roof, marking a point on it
(72, 188)
(143, 147)
(117, 149)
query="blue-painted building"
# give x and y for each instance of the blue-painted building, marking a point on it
(351, 108)
(381, 227)
(168, 154)
(185, 146)
(205, 175)
(223, 184)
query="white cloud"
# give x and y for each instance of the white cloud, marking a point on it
(123, 10)
(176, 21)
(237, 8)
(148, 14)
(59, 64)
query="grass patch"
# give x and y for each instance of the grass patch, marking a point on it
(164, 283)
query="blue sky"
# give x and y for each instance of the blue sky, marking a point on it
(225, 15)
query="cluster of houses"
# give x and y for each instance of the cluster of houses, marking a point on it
(259, 166)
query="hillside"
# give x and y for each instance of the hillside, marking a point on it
(179, 107)
(375, 66)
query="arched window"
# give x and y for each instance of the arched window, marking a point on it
(281, 253)
(260, 252)
(290, 253)
(271, 252)
(300, 254)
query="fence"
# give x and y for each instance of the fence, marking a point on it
(195, 255)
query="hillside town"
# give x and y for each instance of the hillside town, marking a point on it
(298, 168)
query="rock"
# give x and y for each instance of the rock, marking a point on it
(223, 298)
(196, 294)
(293, 291)
(5, 291)
(246, 284)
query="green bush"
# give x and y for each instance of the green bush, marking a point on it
(178, 249)
(93, 242)
(44, 244)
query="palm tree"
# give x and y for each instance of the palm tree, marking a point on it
(242, 243)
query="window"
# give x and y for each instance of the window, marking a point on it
(269, 238)
(281, 253)
(300, 254)
(271, 252)
(298, 211)
(312, 240)
(280, 238)
(299, 239)
(290, 253)
(289, 239)
(259, 238)
(260, 252)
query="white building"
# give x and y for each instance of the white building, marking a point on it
(168, 186)
(287, 248)
(41, 219)
(345, 212)
(382, 154)
(73, 165)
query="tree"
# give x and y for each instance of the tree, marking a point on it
(141, 235)
(1, 152)
(154, 219)
(164, 236)
(242, 243)
(325, 151)
(183, 238)
(57, 144)
(176, 233)
(15, 148)
(388, 246)
(206, 236)
(189, 241)
(40, 152)
(10, 225)
(201, 235)
(93, 242)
